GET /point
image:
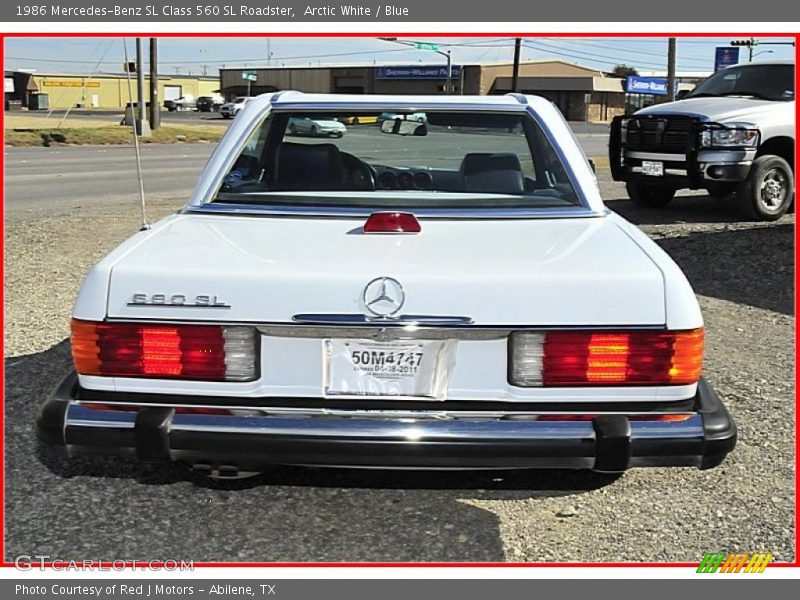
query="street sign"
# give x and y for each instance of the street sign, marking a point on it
(725, 56)
(249, 75)
(426, 46)
(417, 72)
(656, 86)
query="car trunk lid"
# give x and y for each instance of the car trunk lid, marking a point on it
(534, 272)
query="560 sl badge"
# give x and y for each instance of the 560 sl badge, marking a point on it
(177, 300)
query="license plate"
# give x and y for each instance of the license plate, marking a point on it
(653, 168)
(398, 368)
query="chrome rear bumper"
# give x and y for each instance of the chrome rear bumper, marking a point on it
(607, 441)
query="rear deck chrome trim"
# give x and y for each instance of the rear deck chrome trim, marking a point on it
(360, 319)
(282, 210)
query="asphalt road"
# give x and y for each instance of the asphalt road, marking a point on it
(69, 178)
(182, 117)
(107, 508)
(93, 175)
(202, 118)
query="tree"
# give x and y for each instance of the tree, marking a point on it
(624, 71)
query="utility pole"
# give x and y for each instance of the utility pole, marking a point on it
(141, 124)
(155, 109)
(671, 70)
(515, 73)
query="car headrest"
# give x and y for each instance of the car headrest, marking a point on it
(308, 167)
(492, 173)
(480, 162)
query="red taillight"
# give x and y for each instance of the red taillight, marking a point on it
(587, 358)
(163, 351)
(392, 222)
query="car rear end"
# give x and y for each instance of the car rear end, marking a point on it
(518, 330)
(587, 416)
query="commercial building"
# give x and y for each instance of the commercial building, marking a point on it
(34, 90)
(581, 93)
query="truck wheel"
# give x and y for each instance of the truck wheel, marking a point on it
(652, 197)
(768, 191)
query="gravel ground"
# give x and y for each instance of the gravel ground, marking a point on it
(111, 509)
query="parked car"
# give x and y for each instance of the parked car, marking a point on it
(209, 103)
(182, 103)
(733, 136)
(359, 120)
(316, 127)
(389, 304)
(232, 108)
(409, 116)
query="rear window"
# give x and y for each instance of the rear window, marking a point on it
(399, 160)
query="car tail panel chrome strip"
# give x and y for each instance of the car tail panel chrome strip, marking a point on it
(412, 326)
(399, 321)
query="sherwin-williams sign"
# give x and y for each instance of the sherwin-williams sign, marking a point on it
(417, 72)
(647, 85)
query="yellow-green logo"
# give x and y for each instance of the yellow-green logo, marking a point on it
(738, 562)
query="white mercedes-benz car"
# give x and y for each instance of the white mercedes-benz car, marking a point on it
(446, 293)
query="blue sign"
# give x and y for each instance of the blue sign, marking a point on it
(417, 72)
(656, 86)
(725, 56)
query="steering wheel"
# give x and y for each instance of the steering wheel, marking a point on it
(358, 174)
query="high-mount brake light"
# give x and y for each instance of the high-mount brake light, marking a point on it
(201, 352)
(392, 222)
(597, 358)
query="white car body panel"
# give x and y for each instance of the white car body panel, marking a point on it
(593, 270)
(556, 272)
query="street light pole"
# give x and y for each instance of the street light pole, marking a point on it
(449, 85)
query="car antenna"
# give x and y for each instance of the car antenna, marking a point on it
(145, 224)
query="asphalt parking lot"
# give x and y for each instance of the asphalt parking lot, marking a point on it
(112, 509)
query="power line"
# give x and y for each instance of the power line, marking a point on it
(637, 51)
(223, 61)
(579, 55)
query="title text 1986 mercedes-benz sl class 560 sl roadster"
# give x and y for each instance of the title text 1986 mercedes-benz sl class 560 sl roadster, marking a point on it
(447, 291)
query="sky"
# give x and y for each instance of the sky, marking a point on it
(198, 56)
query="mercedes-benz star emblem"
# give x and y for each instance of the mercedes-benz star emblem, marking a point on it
(384, 296)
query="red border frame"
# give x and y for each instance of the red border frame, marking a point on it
(450, 34)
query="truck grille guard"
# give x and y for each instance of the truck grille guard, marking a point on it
(691, 127)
